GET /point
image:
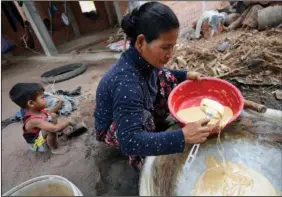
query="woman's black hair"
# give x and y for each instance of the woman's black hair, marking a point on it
(21, 93)
(150, 19)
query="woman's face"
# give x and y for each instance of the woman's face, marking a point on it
(159, 51)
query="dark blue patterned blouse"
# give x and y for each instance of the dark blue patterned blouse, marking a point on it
(124, 93)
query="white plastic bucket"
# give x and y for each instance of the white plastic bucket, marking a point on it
(48, 185)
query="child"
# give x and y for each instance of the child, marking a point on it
(38, 129)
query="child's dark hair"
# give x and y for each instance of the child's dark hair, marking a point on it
(150, 19)
(21, 93)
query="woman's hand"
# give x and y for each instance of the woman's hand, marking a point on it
(198, 132)
(193, 76)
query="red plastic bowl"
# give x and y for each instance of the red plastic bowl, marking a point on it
(190, 94)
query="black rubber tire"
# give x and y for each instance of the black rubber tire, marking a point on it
(63, 73)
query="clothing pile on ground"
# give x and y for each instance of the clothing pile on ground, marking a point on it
(119, 46)
(116, 42)
(70, 102)
(116, 37)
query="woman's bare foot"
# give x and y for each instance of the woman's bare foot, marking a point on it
(60, 150)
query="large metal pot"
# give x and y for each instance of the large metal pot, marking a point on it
(254, 140)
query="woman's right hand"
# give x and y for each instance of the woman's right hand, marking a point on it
(198, 132)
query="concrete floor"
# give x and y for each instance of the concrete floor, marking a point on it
(95, 168)
(86, 41)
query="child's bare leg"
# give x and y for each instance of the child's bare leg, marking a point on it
(55, 121)
(53, 144)
(52, 140)
(54, 118)
(44, 134)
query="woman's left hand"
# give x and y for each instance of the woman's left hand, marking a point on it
(193, 76)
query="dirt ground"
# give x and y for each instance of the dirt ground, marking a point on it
(95, 168)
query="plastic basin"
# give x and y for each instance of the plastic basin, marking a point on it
(48, 185)
(190, 93)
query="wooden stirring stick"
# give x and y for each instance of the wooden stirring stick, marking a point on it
(254, 106)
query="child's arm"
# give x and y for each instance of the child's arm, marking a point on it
(46, 126)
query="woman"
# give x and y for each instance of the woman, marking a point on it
(131, 102)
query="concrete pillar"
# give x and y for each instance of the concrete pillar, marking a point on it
(109, 13)
(118, 12)
(39, 28)
(72, 20)
(203, 6)
(20, 10)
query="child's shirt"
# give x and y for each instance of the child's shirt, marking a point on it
(34, 137)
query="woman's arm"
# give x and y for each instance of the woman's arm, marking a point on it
(128, 117)
(182, 75)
